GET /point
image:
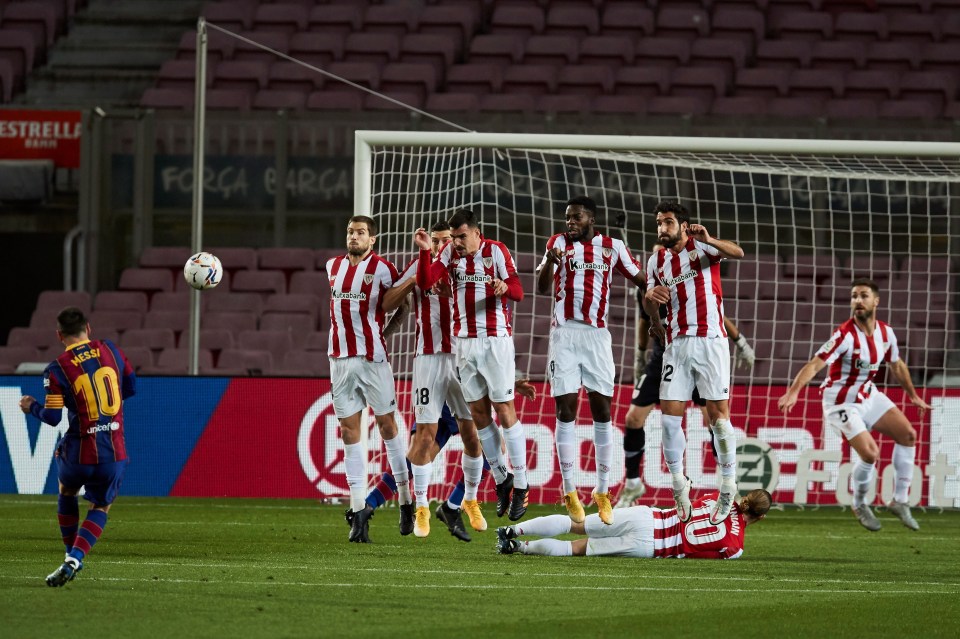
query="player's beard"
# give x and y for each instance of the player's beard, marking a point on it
(669, 241)
(864, 315)
(577, 235)
(357, 250)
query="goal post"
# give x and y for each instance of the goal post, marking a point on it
(810, 214)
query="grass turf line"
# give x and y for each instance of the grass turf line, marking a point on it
(275, 568)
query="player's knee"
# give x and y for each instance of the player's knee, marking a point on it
(722, 428)
(870, 453)
(565, 413)
(908, 437)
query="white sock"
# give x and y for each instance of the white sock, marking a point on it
(547, 526)
(397, 458)
(674, 444)
(603, 443)
(632, 482)
(725, 439)
(567, 453)
(353, 462)
(547, 547)
(472, 473)
(517, 450)
(903, 457)
(490, 442)
(421, 482)
(862, 477)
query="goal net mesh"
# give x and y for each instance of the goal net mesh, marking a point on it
(809, 224)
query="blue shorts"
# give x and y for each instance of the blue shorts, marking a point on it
(101, 482)
(447, 427)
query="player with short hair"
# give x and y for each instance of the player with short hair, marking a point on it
(360, 374)
(581, 351)
(91, 379)
(483, 278)
(643, 532)
(435, 385)
(854, 406)
(685, 275)
(648, 367)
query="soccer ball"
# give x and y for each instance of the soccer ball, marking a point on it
(203, 271)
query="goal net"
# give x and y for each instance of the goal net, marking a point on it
(810, 215)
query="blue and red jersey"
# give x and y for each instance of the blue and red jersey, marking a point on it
(91, 379)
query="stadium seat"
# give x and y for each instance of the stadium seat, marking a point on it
(844, 55)
(576, 20)
(176, 361)
(920, 28)
(815, 83)
(281, 18)
(285, 259)
(563, 103)
(804, 25)
(940, 56)
(476, 78)
(459, 102)
(279, 100)
(237, 301)
(292, 303)
(336, 100)
(297, 325)
(312, 283)
(8, 80)
(167, 98)
(316, 51)
(171, 257)
(139, 357)
(148, 280)
(37, 19)
(399, 101)
(234, 16)
(457, 22)
(529, 79)
(761, 82)
(229, 99)
(429, 48)
(851, 109)
(182, 74)
(344, 18)
(789, 54)
(796, 107)
(522, 20)
(177, 321)
(115, 320)
(744, 24)
(620, 104)
(233, 321)
(699, 82)
(872, 84)
(252, 362)
(669, 52)
(611, 51)
(861, 27)
(325, 254)
(642, 81)
(219, 46)
(234, 259)
(13, 356)
(363, 73)
(304, 364)
(152, 338)
(514, 103)
(121, 301)
(253, 51)
(394, 19)
(317, 341)
(938, 87)
(496, 48)
(728, 54)
(290, 76)
(684, 22)
(739, 106)
(585, 80)
(58, 300)
(628, 19)
(44, 340)
(420, 79)
(678, 105)
(243, 75)
(557, 50)
(275, 342)
(892, 56)
(213, 339)
(378, 48)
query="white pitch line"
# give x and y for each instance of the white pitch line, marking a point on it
(498, 586)
(485, 573)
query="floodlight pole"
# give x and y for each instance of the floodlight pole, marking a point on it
(199, 136)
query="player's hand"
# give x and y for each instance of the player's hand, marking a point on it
(659, 294)
(787, 402)
(923, 406)
(745, 357)
(499, 287)
(525, 389)
(659, 332)
(422, 239)
(555, 256)
(26, 402)
(699, 232)
(442, 288)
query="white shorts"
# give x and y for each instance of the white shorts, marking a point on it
(853, 419)
(435, 382)
(580, 355)
(630, 534)
(357, 382)
(486, 368)
(696, 362)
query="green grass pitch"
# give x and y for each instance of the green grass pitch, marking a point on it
(270, 568)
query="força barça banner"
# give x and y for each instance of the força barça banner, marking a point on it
(272, 437)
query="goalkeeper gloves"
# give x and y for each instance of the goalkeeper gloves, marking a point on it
(640, 363)
(745, 356)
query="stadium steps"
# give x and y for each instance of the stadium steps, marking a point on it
(112, 52)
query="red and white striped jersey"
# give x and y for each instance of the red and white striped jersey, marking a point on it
(581, 285)
(854, 359)
(696, 297)
(477, 311)
(434, 316)
(698, 538)
(356, 314)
